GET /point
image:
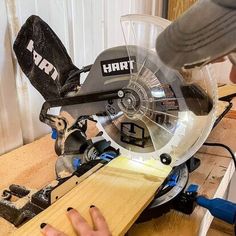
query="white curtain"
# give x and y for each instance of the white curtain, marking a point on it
(86, 28)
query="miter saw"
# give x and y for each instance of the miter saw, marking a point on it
(142, 109)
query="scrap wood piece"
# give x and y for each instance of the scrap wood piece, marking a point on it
(121, 193)
(226, 90)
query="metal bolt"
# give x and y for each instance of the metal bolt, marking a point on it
(121, 94)
(165, 158)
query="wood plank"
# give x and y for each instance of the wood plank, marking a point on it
(232, 113)
(220, 228)
(226, 90)
(209, 177)
(122, 189)
(177, 8)
(225, 133)
(28, 164)
(21, 166)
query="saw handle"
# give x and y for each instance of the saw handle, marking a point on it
(219, 208)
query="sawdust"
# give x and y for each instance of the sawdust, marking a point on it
(6, 228)
(64, 174)
(31, 166)
(53, 184)
(21, 202)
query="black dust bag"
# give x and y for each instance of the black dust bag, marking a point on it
(44, 59)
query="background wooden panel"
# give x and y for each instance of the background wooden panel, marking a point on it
(177, 7)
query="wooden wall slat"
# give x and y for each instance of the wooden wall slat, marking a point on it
(177, 8)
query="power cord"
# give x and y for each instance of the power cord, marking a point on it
(223, 146)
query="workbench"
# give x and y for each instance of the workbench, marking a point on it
(33, 166)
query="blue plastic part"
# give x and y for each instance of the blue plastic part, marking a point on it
(219, 208)
(173, 180)
(54, 134)
(76, 163)
(192, 188)
(107, 156)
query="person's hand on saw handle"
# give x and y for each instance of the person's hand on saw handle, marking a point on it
(204, 34)
(80, 225)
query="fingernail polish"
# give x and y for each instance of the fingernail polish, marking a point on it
(69, 208)
(43, 225)
(92, 206)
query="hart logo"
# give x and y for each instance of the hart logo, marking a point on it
(41, 62)
(119, 66)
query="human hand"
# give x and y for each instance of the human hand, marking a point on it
(80, 225)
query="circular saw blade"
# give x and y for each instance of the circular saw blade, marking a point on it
(162, 111)
(143, 123)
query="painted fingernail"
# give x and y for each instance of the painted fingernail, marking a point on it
(92, 206)
(43, 225)
(69, 208)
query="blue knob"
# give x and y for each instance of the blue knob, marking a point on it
(76, 163)
(54, 134)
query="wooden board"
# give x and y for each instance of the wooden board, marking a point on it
(28, 164)
(224, 132)
(177, 8)
(122, 189)
(220, 228)
(26, 160)
(226, 90)
(232, 113)
(31, 165)
(213, 177)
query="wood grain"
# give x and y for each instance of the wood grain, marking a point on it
(209, 176)
(122, 189)
(220, 228)
(177, 8)
(232, 113)
(226, 90)
(22, 165)
(225, 133)
(28, 164)
(31, 165)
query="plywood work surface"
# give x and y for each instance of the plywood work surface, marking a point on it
(121, 193)
(31, 165)
(121, 190)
